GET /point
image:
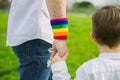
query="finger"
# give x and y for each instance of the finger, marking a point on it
(54, 49)
(65, 56)
(61, 54)
(53, 54)
(56, 56)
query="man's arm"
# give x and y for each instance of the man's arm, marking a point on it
(57, 8)
(59, 23)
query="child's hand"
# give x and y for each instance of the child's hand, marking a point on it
(57, 58)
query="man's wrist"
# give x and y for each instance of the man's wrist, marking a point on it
(60, 42)
(57, 40)
(60, 28)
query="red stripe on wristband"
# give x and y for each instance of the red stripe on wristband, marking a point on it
(61, 37)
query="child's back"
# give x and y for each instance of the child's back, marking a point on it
(105, 67)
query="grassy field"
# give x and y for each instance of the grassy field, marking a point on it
(8, 61)
(80, 46)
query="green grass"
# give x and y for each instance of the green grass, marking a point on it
(8, 61)
(88, 11)
(80, 46)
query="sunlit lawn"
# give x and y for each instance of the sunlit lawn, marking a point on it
(8, 62)
(81, 48)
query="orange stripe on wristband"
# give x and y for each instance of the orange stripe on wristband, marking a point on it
(60, 33)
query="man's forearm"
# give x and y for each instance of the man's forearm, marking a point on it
(57, 8)
(59, 22)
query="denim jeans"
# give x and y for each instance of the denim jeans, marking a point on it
(33, 56)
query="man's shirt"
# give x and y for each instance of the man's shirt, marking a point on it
(105, 67)
(28, 20)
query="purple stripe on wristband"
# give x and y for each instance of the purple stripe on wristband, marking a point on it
(58, 19)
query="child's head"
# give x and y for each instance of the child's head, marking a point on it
(106, 26)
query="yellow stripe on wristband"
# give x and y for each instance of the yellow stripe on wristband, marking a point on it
(61, 30)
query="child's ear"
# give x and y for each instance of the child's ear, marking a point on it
(93, 37)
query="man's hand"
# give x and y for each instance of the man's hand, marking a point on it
(60, 48)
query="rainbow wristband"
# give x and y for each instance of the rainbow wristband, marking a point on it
(60, 28)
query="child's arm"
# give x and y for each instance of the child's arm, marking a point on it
(60, 71)
(59, 68)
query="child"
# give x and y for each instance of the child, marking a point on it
(106, 34)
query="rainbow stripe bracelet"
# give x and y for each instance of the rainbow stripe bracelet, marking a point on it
(60, 28)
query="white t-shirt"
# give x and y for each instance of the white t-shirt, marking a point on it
(105, 67)
(28, 20)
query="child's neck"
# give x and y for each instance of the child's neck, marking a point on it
(106, 49)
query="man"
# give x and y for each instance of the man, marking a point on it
(30, 35)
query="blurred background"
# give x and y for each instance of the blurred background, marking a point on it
(80, 46)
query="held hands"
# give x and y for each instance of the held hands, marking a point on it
(59, 47)
(56, 58)
(60, 52)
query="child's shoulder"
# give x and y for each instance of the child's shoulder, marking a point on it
(92, 66)
(92, 63)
